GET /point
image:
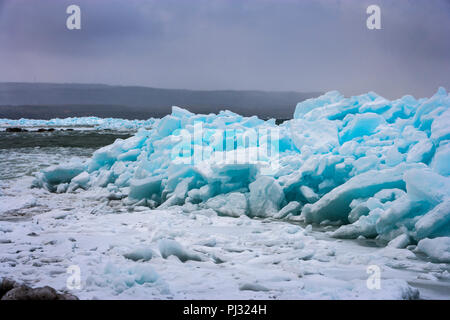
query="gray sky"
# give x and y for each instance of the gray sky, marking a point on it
(296, 45)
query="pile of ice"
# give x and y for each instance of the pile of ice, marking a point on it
(376, 167)
(97, 123)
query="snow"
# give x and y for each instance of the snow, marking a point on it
(10, 203)
(174, 254)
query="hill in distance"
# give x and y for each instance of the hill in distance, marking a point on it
(48, 100)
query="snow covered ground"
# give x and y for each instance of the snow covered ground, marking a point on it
(348, 200)
(224, 257)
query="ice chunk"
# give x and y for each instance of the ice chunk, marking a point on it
(306, 106)
(361, 125)
(426, 186)
(81, 181)
(232, 204)
(441, 160)
(169, 247)
(181, 113)
(393, 157)
(335, 205)
(61, 188)
(145, 188)
(423, 117)
(320, 135)
(440, 130)
(358, 209)
(308, 194)
(130, 155)
(201, 194)
(140, 254)
(168, 124)
(421, 152)
(123, 278)
(55, 175)
(398, 210)
(364, 164)
(179, 195)
(436, 219)
(292, 207)
(400, 241)
(379, 106)
(266, 197)
(364, 226)
(438, 249)
(389, 194)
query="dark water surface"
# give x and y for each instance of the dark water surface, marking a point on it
(25, 153)
(60, 138)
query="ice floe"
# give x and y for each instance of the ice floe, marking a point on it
(95, 122)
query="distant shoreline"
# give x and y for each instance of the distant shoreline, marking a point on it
(46, 101)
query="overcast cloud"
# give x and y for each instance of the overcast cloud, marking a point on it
(296, 45)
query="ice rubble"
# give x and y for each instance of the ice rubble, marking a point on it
(380, 168)
(97, 123)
